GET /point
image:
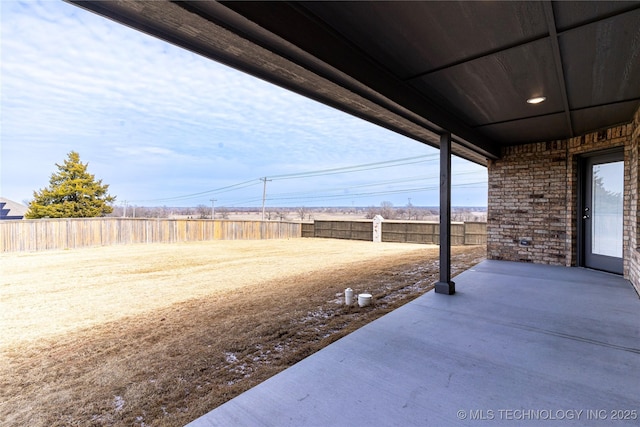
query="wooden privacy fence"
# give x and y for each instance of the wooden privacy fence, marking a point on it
(47, 234)
(462, 233)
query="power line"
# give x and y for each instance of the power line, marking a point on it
(317, 173)
(374, 193)
(233, 187)
(358, 168)
(322, 172)
(329, 197)
(417, 178)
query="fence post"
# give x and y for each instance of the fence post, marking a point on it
(377, 228)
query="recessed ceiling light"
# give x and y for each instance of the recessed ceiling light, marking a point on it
(536, 100)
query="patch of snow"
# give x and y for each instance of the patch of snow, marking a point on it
(230, 357)
(240, 369)
(118, 402)
(318, 314)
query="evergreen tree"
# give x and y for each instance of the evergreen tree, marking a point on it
(72, 193)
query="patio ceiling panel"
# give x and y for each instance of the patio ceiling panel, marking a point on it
(494, 88)
(414, 38)
(599, 117)
(570, 14)
(545, 128)
(596, 59)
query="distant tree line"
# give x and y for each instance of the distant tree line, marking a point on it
(415, 213)
(198, 212)
(301, 213)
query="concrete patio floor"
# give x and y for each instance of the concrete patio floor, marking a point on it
(518, 344)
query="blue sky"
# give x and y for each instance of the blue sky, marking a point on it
(164, 126)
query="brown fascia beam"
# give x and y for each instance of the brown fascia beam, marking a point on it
(240, 54)
(222, 35)
(290, 21)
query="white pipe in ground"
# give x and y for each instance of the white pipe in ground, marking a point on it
(364, 300)
(348, 296)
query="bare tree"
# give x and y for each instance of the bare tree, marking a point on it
(371, 212)
(387, 210)
(203, 211)
(302, 211)
(224, 212)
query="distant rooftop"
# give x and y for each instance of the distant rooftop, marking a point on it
(11, 210)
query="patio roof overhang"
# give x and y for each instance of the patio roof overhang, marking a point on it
(425, 69)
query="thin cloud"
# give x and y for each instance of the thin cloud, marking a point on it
(153, 119)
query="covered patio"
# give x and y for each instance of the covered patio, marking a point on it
(520, 344)
(544, 94)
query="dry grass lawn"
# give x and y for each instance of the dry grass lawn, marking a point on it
(160, 334)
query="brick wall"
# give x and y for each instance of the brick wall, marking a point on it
(527, 199)
(533, 196)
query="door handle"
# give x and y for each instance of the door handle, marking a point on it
(586, 213)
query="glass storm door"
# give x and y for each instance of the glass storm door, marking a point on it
(602, 214)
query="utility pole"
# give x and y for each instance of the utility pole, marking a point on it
(124, 210)
(264, 193)
(213, 211)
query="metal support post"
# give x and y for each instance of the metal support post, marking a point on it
(445, 285)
